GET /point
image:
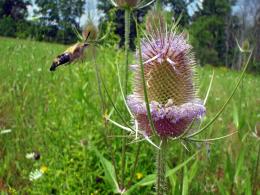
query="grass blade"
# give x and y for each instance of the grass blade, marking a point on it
(210, 85)
(109, 171)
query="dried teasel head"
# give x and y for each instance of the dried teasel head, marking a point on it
(169, 72)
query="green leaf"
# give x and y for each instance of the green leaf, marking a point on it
(221, 187)
(148, 180)
(185, 183)
(230, 168)
(248, 186)
(172, 181)
(109, 170)
(193, 170)
(240, 162)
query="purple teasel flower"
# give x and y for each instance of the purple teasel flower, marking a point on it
(169, 72)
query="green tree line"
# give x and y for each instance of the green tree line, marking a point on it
(54, 21)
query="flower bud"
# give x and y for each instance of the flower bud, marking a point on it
(90, 31)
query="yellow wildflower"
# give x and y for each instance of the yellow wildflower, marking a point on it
(43, 169)
(139, 176)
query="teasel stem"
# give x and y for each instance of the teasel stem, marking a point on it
(149, 116)
(256, 171)
(161, 182)
(127, 33)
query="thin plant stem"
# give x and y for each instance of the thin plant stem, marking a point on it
(135, 164)
(256, 171)
(127, 32)
(182, 170)
(161, 183)
(99, 82)
(103, 108)
(114, 106)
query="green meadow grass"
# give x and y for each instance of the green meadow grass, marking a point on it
(58, 114)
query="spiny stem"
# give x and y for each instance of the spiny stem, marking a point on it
(127, 32)
(161, 183)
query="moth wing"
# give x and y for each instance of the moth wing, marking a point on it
(72, 48)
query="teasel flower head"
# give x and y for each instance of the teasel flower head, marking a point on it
(169, 72)
(90, 31)
(132, 4)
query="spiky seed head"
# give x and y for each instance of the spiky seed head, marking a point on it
(90, 31)
(169, 72)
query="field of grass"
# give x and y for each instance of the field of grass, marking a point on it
(58, 115)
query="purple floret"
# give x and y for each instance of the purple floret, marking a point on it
(168, 121)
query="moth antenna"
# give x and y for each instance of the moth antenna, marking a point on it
(87, 36)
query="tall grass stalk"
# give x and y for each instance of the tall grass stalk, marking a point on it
(105, 133)
(127, 32)
(256, 171)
